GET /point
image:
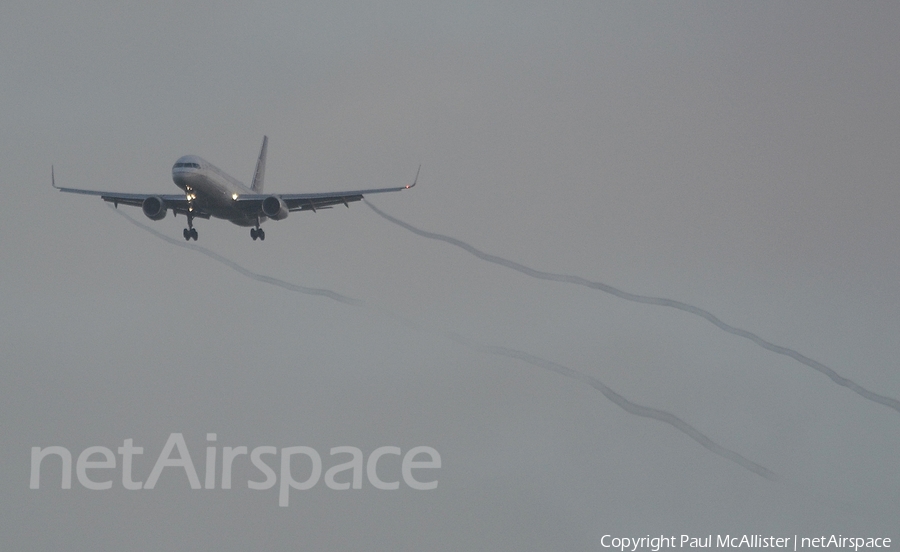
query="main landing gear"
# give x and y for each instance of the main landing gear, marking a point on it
(257, 232)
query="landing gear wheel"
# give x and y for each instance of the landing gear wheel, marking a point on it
(254, 234)
(194, 233)
(187, 234)
(261, 234)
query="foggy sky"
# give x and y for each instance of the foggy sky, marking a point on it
(740, 158)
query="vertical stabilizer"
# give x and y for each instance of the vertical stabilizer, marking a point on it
(260, 174)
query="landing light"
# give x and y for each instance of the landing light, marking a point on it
(234, 196)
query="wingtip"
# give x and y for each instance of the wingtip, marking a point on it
(53, 178)
(416, 179)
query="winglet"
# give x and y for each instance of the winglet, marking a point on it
(53, 178)
(416, 179)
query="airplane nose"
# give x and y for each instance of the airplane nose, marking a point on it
(181, 178)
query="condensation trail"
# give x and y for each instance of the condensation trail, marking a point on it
(619, 400)
(659, 301)
(248, 273)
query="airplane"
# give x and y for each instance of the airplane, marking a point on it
(209, 192)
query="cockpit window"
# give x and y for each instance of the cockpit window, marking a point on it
(186, 166)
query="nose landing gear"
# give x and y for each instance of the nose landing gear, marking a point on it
(190, 232)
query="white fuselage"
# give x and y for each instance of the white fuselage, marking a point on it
(212, 190)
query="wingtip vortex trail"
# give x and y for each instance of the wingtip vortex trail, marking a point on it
(884, 400)
(627, 405)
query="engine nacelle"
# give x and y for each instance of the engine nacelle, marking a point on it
(154, 207)
(274, 207)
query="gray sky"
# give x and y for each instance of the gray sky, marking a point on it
(740, 158)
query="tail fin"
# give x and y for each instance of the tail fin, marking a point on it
(260, 174)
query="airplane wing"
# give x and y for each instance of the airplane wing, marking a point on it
(176, 202)
(311, 202)
(314, 201)
(248, 203)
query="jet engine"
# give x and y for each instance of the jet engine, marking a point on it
(154, 207)
(274, 207)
